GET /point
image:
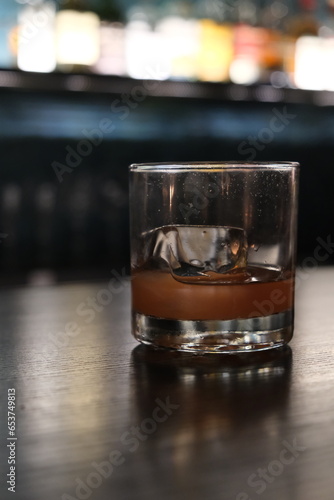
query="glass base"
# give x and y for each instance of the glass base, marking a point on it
(212, 336)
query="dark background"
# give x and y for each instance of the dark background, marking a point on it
(78, 228)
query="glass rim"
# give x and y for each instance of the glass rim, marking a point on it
(212, 165)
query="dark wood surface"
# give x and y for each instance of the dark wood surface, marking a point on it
(227, 433)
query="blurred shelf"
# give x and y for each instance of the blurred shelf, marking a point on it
(101, 84)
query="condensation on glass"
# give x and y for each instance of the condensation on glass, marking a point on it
(213, 254)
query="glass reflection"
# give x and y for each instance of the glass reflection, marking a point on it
(232, 391)
(231, 411)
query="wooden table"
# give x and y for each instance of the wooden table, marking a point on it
(99, 416)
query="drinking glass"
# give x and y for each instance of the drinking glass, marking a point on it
(213, 254)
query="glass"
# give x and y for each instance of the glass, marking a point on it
(213, 254)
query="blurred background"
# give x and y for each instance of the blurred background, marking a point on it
(88, 87)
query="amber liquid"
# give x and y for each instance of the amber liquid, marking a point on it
(251, 293)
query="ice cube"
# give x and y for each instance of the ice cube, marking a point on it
(200, 253)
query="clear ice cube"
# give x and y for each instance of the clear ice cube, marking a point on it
(200, 253)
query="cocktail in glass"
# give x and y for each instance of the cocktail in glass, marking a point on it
(213, 254)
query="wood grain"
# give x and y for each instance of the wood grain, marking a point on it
(163, 425)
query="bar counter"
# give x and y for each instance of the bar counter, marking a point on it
(99, 416)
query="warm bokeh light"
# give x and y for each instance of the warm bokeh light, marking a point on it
(216, 51)
(112, 46)
(244, 71)
(181, 42)
(273, 45)
(314, 63)
(145, 52)
(36, 46)
(77, 38)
